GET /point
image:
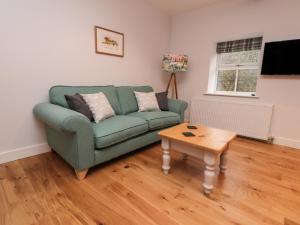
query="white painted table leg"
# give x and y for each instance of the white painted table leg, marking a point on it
(223, 162)
(211, 161)
(165, 144)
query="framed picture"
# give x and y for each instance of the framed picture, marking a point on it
(109, 42)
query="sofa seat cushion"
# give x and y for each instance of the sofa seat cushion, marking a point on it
(117, 129)
(158, 120)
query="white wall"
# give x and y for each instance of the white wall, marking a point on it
(49, 42)
(196, 33)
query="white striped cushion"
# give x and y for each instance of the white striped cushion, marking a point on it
(99, 105)
(146, 101)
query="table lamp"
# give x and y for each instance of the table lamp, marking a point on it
(174, 63)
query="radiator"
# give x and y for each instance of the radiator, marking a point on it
(246, 119)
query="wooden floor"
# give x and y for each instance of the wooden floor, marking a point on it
(261, 186)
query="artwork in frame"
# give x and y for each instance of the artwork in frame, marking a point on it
(109, 42)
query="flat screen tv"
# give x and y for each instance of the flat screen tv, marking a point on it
(281, 58)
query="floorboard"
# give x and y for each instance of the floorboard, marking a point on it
(261, 186)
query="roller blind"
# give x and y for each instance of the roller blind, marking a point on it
(240, 45)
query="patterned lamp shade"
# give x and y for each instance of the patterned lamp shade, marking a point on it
(175, 63)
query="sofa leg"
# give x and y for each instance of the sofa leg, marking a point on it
(81, 174)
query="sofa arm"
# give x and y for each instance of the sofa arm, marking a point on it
(65, 120)
(178, 106)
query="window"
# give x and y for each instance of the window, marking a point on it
(238, 66)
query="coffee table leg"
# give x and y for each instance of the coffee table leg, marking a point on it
(165, 144)
(223, 162)
(211, 161)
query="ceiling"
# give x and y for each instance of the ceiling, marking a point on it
(177, 6)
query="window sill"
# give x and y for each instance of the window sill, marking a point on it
(231, 95)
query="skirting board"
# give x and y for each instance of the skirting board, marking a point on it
(24, 152)
(287, 142)
(32, 150)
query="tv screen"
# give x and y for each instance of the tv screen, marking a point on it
(281, 58)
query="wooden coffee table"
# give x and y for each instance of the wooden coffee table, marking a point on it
(209, 144)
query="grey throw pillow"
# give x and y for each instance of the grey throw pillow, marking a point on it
(77, 103)
(162, 99)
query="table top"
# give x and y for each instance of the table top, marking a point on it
(208, 138)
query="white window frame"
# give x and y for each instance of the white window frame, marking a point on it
(237, 68)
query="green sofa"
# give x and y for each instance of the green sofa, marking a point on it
(84, 144)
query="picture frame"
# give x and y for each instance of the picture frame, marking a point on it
(109, 42)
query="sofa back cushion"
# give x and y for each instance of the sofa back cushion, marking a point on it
(57, 94)
(127, 98)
